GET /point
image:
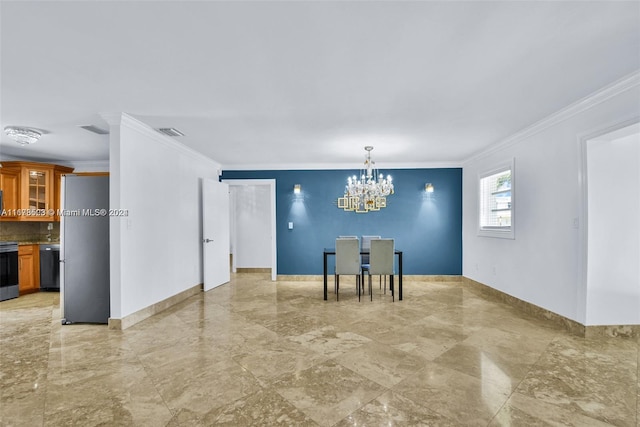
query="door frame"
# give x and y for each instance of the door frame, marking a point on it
(274, 243)
(582, 223)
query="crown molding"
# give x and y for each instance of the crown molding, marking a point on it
(338, 166)
(85, 165)
(89, 165)
(125, 120)
(112, 119)
(9, 158)
(619, 86)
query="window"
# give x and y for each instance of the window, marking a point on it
(496, 216)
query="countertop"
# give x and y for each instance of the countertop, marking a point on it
(39, 243)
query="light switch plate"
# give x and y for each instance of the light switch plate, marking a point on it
(290, 226)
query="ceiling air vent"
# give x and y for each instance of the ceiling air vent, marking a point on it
(95, 129)
(170, 132)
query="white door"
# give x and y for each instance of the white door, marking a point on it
(215, 233)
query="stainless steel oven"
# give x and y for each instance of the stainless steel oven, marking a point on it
(8, 270)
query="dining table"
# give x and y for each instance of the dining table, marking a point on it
(332, 252)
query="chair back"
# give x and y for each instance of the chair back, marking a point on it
(366, 244)
(366, 241)
(381, 257)
(347, 256)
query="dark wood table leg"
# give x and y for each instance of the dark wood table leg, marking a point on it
(400, 278)
(393, 292)
(325, 275)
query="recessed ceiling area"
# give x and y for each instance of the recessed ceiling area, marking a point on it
(286, 84)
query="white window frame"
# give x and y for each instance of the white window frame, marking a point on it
(499, 232)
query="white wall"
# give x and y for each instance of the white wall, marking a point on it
(252, 234)
(89, 166)
(156, 251)
(77, 165)
(613, 272)
(542, 265)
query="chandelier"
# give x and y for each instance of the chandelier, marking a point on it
(369, 192)
(22, 135)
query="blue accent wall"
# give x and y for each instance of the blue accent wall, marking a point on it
(427, 227)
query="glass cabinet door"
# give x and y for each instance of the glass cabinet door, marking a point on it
(38, 189)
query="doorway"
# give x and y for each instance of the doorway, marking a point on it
(611, 231)
(252, 213)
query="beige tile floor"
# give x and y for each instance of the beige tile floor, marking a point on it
(255, 352)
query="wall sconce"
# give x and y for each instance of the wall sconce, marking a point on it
(297, 188)
(428, 187)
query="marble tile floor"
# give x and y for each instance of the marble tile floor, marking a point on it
(258, 353)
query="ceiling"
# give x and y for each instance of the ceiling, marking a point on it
(305, 84)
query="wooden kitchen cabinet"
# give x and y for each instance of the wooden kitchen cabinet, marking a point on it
(28, 268)
(37, 194)
(10, 186)
(57, 185)
(38, 190)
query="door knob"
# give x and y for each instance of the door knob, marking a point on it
(207, 240)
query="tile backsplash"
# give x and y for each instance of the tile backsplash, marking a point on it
(29, 231)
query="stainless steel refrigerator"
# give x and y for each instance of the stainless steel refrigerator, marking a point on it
(84, 250)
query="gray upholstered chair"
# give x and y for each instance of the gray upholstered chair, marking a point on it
(365, 244)
(347, 262)
(381, 261)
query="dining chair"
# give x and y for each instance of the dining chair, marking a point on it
(347, 262)
(381, 262)
(366, 245)
(362, 275)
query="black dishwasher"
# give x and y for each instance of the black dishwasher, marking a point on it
(50, 267)
(8, 270)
